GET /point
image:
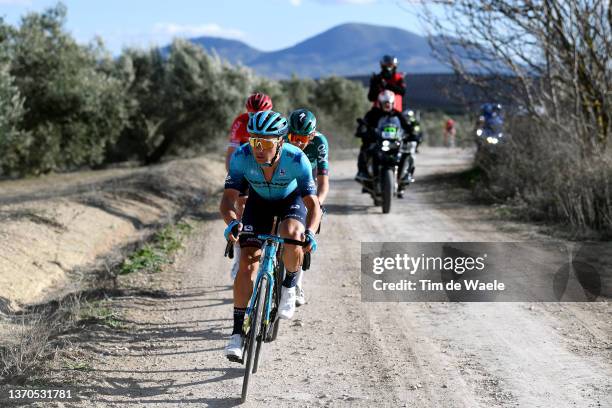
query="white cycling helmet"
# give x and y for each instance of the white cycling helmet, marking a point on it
(386, 96)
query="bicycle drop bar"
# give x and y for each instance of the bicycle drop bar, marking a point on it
(229, 248)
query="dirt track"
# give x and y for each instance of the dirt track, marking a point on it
(339, 351)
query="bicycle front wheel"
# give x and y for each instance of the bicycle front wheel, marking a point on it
(254, 330)
(261, 306)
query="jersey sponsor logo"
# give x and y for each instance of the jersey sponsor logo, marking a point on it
(282, 172)
(248, 228)
(295, 207)
(322, 153)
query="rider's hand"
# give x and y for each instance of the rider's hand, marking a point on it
(230, 233)
(312, 242)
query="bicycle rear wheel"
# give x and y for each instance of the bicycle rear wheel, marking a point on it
(259, 337)
(251, 338)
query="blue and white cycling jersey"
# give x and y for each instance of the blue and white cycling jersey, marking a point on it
(293, 172)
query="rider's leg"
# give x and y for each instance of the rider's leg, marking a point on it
(243, 285)
(292, 258)
(292, 254)
(257, 218)
(293, 218)
(243, 288)
(362, 169)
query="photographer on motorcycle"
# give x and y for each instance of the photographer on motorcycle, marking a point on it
(388, 79)
(369, 130)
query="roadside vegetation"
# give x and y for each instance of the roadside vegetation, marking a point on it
(549, 63)
(66, 106)
(43, 335)
(160, 251)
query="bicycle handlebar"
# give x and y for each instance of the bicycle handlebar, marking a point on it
(229, 247)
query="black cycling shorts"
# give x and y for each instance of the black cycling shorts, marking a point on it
(259, 213)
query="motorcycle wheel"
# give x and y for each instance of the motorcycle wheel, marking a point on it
(387, 190)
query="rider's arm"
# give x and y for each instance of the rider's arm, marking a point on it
(234, 183)
(234, 141)
(375, 88)
(408, 127)
(308, 191)
(322, 187)
(313, 218)
(227, 209)
(322, 167)
(228, 155)
(399, 88)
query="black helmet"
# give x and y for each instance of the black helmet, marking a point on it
(388, 64)
(388, 61)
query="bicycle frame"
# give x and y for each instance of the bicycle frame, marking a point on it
(266, 268)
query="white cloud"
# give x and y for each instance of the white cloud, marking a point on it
(295, 2)
(213, 30)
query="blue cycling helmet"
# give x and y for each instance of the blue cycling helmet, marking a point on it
(267, 123)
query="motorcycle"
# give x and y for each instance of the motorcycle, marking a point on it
(385, 167)
(489, 134)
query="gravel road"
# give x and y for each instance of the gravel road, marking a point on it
(340, 351)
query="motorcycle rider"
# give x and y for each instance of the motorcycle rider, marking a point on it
(280, 183)
(238, 135)
(415, 125)
(368, 134)
(490, 115)
(388, 79)
(303, 134)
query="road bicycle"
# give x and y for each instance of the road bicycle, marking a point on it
(261, 321)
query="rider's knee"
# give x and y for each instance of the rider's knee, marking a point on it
(249, 255)
(292, 229)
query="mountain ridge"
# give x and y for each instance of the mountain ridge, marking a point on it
(345, 49)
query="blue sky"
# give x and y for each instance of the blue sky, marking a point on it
(266, 25)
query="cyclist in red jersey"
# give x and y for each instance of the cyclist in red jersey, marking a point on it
(238, 136)
(238, 132)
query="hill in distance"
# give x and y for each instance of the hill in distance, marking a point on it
(344, 50)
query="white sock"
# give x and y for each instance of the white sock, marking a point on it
(300, 275)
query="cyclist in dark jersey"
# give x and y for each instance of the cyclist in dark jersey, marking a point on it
(303, 134)
(280, 183)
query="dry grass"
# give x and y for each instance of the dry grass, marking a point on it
(35, 339)
(551, 176)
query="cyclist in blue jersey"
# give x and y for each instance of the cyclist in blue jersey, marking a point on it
(279, 177)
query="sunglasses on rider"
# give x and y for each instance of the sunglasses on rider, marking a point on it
(295, 138)
(263, 143)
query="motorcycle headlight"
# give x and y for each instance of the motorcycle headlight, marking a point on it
(385, 146)
(492, 140)
(479, 132)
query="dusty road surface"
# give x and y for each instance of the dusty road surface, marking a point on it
(339, 351)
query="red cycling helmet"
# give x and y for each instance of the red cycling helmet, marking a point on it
(258, 102)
